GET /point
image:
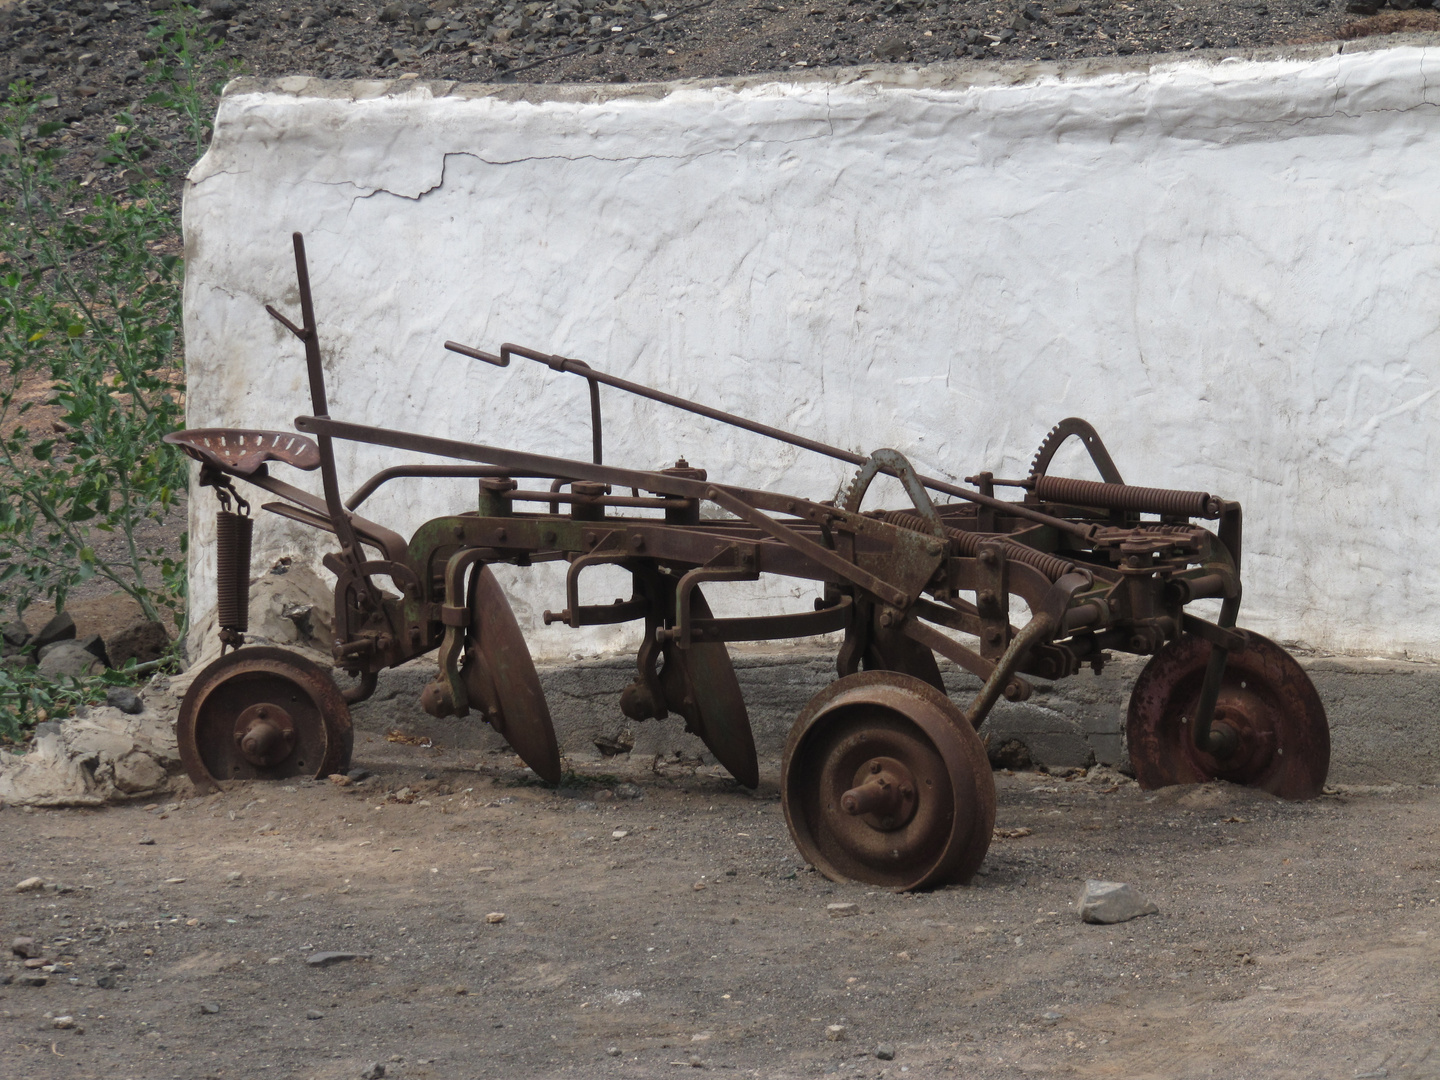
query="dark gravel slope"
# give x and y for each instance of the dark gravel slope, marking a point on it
(93, 59)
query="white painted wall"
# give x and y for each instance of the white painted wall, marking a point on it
(1230, 269)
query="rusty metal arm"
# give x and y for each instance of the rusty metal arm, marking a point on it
(577, 367)
(503, 360)
(833, 562)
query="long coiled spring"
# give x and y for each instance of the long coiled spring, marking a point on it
(968, 543)
(232, 570)
(1140, 500)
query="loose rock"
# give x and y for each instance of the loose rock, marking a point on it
(60, 628)
(106, 982)
(30, 884)
(628, 791)
(141, 641)
(314, 1014)
(124, 699)
(1108, 902)
(835, 1032)
(325, 959)
(495, 917)
(25, 947)
(373, 1071)
(885, 1052)
(842, 911)
(70, 658)
(209, 1008)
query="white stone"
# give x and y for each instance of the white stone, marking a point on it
(1112, 902)
(104, 756)
(1226, 267)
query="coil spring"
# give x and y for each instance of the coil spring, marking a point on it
(232, 570)
(1125, 497)
(968, 543)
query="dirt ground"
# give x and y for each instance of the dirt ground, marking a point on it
(677, 928)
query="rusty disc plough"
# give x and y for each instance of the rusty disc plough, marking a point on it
(884, 778)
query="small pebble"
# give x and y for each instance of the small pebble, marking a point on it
(314, 1014)
(841, 911)
(234, 875)
(613, 1051)
(146, 841)
(24, 947)
(835, 1032)
(495, 917)
(373, 1071)
(64, 1023)
(885, 1052)
(209, 1008)
(106, 982)
(30, 884)
(628, 791)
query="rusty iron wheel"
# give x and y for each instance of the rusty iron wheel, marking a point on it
(1282, 739)
(261, 713)
(884, 782)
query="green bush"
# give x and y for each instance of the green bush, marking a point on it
(91, 364)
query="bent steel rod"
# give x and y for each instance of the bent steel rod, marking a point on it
(577, 367)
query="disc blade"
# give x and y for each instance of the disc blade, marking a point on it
(1268, 703)
(500, 656)
(715, 706)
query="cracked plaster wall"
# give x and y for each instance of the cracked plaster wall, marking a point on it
(1229, 268)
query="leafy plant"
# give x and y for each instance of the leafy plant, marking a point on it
(91, 368)
(27, 697)
(90, 373)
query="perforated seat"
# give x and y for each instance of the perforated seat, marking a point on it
(241, 452)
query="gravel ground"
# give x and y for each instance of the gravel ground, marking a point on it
(91, 60)
(670, 925)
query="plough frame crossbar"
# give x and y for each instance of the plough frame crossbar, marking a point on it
(1095, 575)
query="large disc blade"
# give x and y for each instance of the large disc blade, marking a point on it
(262, 713)
(700, 685)
(1266, 699)
(500, 673)
(882, 734)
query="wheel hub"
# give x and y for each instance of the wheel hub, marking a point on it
(265, 734)
(884, 796)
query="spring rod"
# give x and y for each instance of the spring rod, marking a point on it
(968, 543)
(1170, 503)
(232, 574)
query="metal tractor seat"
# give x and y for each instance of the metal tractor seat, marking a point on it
(241, 451)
